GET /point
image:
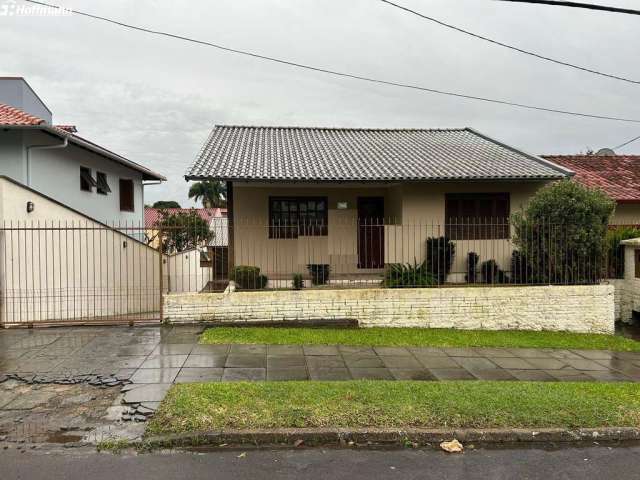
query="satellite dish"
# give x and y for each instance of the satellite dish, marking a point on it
(605, 152)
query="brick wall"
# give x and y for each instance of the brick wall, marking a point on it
(568, 308)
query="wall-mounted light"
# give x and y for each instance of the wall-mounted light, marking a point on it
(30, 207)
(342, 205)
(124, 244)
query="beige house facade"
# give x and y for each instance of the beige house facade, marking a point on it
(411, 212)
(354, 201)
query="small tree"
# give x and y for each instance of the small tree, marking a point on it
(166, 204)
(439, 255)
(183, 231)
(562, 233)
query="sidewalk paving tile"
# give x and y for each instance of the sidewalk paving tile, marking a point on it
(329, 374)
(287, 373)
(371, 374)
(285, 361)
(155, 375)
(412, 374)
(513, 363)
(246, 361)
(210, 350)
(322, 350)
(476, 363)
(438, 362)
(400, 362)
(284, 350)
(164, 361)
(205, 361)
(451, 374)
(244, 374)
(190, 375)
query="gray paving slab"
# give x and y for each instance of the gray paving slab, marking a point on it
(154, 392)
(371, 374)
(451, 374)
(164, 361)
(155, 375)
(246, 361)
(329, 374)
(190, 375)
(287, 373)
(412, 374)
(205, 361)
(244, 374)
(406, 362)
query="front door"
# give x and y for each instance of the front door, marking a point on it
(370, 232)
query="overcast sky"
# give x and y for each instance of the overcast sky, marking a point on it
(154, 100)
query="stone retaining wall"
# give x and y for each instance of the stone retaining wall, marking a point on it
(562, 308)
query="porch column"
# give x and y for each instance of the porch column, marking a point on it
(230, 228)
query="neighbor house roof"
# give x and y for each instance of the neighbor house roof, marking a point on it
(240, 153)
(153, 215)
(15, 118)
(617, 175)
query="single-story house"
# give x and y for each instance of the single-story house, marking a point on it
(617, 175)
(356, 199)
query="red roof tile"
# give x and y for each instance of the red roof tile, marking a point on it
(153, 215)
(14, 116)
(617, 175)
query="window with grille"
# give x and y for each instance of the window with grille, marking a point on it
(477, 216)
(291, 217)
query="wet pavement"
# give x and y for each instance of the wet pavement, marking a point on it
(148, 360)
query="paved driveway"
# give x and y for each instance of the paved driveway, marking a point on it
(154, 358)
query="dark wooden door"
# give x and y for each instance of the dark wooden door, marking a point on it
(370, 232)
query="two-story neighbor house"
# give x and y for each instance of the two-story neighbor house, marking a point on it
(54, 161)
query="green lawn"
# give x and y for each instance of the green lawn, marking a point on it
(416, 337)
(214, 406)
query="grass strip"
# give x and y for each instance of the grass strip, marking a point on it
(432, 337)
(391, 404)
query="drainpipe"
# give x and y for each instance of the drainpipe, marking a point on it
(41, 147)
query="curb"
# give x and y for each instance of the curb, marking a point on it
(389, 437)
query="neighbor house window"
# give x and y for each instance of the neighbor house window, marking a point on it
(290, 217)
(103, 186)
(126, 195)
(477, 216)
(86, 180)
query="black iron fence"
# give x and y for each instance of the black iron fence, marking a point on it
(70, 271)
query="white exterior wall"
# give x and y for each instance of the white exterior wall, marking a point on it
(61, 274)
(56, 173)
(584, 309)
(183, 273)
(628, 289)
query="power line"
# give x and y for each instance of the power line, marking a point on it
(590, 6)
(343, 74)
(511, 47)
(627, 143)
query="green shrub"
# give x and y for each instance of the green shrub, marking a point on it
(297, 282)
(472, 267)
(562, 233)
(319, 273)
(439, 255)
(521, 270)
(248, 277)
(491, 272)
(399, 275)
(615, 251)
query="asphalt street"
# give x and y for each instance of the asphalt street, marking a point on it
(573, 463)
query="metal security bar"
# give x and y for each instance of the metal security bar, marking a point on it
(60, 272)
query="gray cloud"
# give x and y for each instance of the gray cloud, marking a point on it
(154, 100)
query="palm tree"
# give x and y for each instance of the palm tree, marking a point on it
(212, 193)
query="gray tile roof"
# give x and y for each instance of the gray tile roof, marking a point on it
(244, 153)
